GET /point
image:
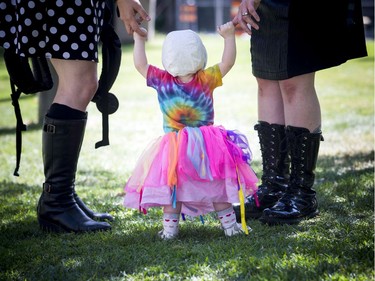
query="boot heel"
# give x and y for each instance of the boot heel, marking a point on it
(47, 226)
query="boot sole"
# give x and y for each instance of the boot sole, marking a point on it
(47, 226)
(280, 221)
(253, 216)
(50, 227)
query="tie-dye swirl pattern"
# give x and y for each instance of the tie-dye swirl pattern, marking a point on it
(185, 104)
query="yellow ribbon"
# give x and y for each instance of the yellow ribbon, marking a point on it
(242, 204)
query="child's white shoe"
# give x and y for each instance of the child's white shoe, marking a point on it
(235, 229)
(166, 235)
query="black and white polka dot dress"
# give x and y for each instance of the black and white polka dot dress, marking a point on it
(63, 29)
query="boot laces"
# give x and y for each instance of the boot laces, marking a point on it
(269, 149)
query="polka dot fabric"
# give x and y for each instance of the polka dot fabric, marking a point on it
(55, 29)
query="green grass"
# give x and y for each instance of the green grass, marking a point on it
(337, 245)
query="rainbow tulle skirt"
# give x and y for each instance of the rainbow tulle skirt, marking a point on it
(196, 166)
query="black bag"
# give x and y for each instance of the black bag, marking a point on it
(25, 79)
(32, 75)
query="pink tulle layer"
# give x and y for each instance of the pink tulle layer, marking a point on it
(204, 165)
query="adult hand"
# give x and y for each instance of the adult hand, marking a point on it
(247, 16)
(132, 14)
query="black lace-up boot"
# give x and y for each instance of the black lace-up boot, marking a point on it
(275, 177)
(57, 209)
(299, 201)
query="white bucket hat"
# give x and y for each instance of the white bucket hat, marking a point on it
(183, 53)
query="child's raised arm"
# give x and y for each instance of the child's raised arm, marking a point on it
(229, 54)
(139, 53)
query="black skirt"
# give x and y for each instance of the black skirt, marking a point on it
(54, 29)
(297, 37)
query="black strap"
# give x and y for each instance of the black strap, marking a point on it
(107, 102)
(23, 79)
(15, 95)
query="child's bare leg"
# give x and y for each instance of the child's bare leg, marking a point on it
(221, 206)
(171, 218)
(227, 218)
(170, 210)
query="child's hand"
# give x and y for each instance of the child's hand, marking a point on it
(226, 29)
(138, 36)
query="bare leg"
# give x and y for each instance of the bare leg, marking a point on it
(301, 104)
(170, 210)
(221, 206)
(270, 102)
(77, 82)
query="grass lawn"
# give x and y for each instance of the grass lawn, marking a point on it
(336, 245)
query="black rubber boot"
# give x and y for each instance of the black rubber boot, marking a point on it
(57, 208)
(299, 201)
(275, 177)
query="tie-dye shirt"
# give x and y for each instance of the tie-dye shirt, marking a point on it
(185, 104)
